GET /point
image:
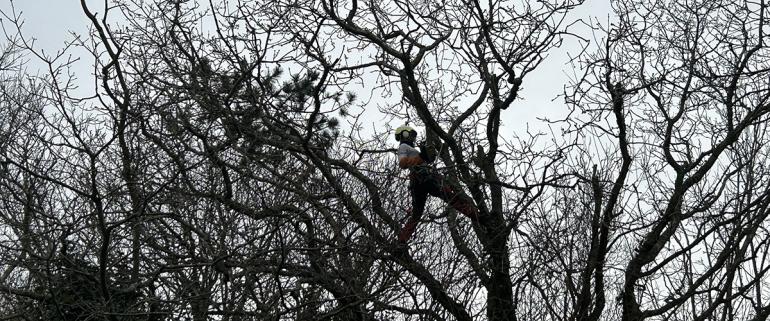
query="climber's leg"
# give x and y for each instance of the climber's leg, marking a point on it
(462, 203)
(458, 201)
(406, 232)
(419, 197)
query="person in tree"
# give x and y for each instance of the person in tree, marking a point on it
(424, 181)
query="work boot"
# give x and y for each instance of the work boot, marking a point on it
(407, 230)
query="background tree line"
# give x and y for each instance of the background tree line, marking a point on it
(222, 167)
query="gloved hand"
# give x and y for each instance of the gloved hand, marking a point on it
(424, 153)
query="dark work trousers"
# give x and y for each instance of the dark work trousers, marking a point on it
(426, 182)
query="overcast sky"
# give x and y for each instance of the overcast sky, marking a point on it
(49, 21)
(52, 22)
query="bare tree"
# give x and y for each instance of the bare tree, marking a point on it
(222, 167)
(676, 99)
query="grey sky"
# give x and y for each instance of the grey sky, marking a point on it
(48, 21)
(51, 22)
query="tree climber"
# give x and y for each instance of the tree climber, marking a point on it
(424, 181)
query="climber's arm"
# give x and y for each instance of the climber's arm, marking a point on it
(424, 154)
